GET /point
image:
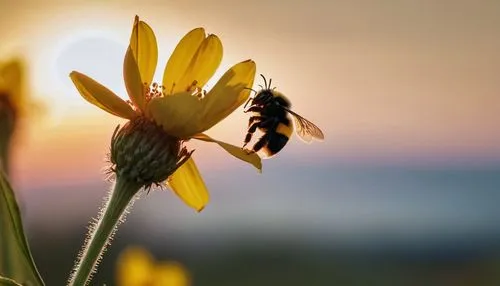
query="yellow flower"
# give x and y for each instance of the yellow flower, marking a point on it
(136, 267)
(179, 106)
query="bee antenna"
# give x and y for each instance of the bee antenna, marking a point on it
(246, 103)
(269, 86)
(265, 81)
(260, 85)
(250, 89)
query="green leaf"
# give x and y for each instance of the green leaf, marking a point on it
(16, 260)
(8, 282)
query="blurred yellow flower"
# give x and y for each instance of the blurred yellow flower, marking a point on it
(136, 267)
(180, 105)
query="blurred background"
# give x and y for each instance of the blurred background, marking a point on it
(403, 191)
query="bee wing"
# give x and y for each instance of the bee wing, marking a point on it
(305, 128)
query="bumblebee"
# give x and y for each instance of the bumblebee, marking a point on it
(272, 115)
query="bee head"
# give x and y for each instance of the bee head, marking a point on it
(264, 92)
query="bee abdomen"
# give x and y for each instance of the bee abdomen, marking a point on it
(285, 127)
(276, 142)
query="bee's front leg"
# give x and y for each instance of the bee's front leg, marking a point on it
(254, 118)
(253, 108)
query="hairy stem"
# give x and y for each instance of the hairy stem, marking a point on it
(121, 196)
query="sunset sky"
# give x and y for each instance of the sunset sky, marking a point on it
(400, 82)
(406, 92)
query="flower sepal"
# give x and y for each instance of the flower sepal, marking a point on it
(142, 152)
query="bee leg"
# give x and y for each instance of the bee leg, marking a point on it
(269, 124)
(251, 130)
(253, 108)
(254, 118)
(253, 127)
(261, 143)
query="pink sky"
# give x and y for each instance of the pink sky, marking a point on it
(393, 82)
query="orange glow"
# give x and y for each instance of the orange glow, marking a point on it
(376, 90)
(73, 151)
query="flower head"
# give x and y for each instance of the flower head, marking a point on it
(136, 267)
(179, 107)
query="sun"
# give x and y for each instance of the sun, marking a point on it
(97, 53)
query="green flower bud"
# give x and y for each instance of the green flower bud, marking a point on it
(141, 152)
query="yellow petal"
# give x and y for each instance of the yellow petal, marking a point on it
(100, 96)
(170, 274)
(132, 77)
(237, 152)
(181, 58)
(135, 266)
(202, 66)
(188, 184)
(228, 94)
(182, 115)
(176, 113)
(145, 50)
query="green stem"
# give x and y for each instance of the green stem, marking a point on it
(121, 196)
(6, 258)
